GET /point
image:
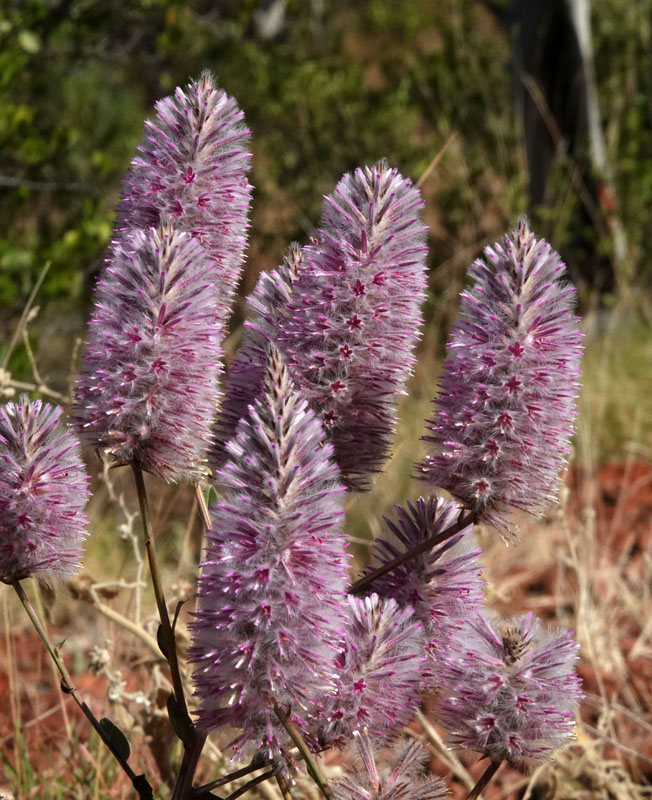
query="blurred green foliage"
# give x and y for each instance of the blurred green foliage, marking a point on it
(337, 84)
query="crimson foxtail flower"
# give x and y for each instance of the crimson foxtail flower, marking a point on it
(273, 581)
(443, 585)
(268, 304)
(505, 413)
(43, 491)
(403, 778)
(149, 379)
(380, 671)
(191, 173)
(354, 315)
(510, 691)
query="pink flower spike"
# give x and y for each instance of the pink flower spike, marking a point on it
(505, 412)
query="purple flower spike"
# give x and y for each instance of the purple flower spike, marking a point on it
(43, 490)
(510, 691)
(355, 316)
(380, 671)
(148, 388)
(443, 585)
(268, 304)
(406, 779)
(191, 174)
(507, 403)
(273, 583)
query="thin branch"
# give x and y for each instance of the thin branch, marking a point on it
(203, 507)
(23, 317)
(429, 169)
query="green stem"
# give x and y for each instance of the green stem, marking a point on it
(482, 784)
(139, 782)
(427, 544)
(311, 764)
(167, 638)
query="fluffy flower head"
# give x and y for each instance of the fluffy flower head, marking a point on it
(191, 173)
(273, 583)
(511, 691)
(354, 315)
(148, 386)
(43, 490)
(507, 402)
(405, 779)
(443, 585)
(268, 304)
(380, 671)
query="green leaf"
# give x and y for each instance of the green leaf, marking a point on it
(211, 496)
(115, 738)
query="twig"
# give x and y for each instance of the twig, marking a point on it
(311, 764)
(428, 170)
(423, 547)
(35, 387)
(486, 776)
(138, 781)
(203, 508)
(126, 623)
(23, 317)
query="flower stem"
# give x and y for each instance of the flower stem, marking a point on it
(311, 764)
(193, 748)
(166, 639)
(483, 782)
(253, 782)
(427, 544)
(256, 764)
(139, 782)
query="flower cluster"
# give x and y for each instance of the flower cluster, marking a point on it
(507, 402)
(191, 174)
(273, 580)
(380, 671)
(148, 384)
(354, 315)
(43, 490)
(404, 780)
(444, 584)
(510, 691)
(310, 409)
